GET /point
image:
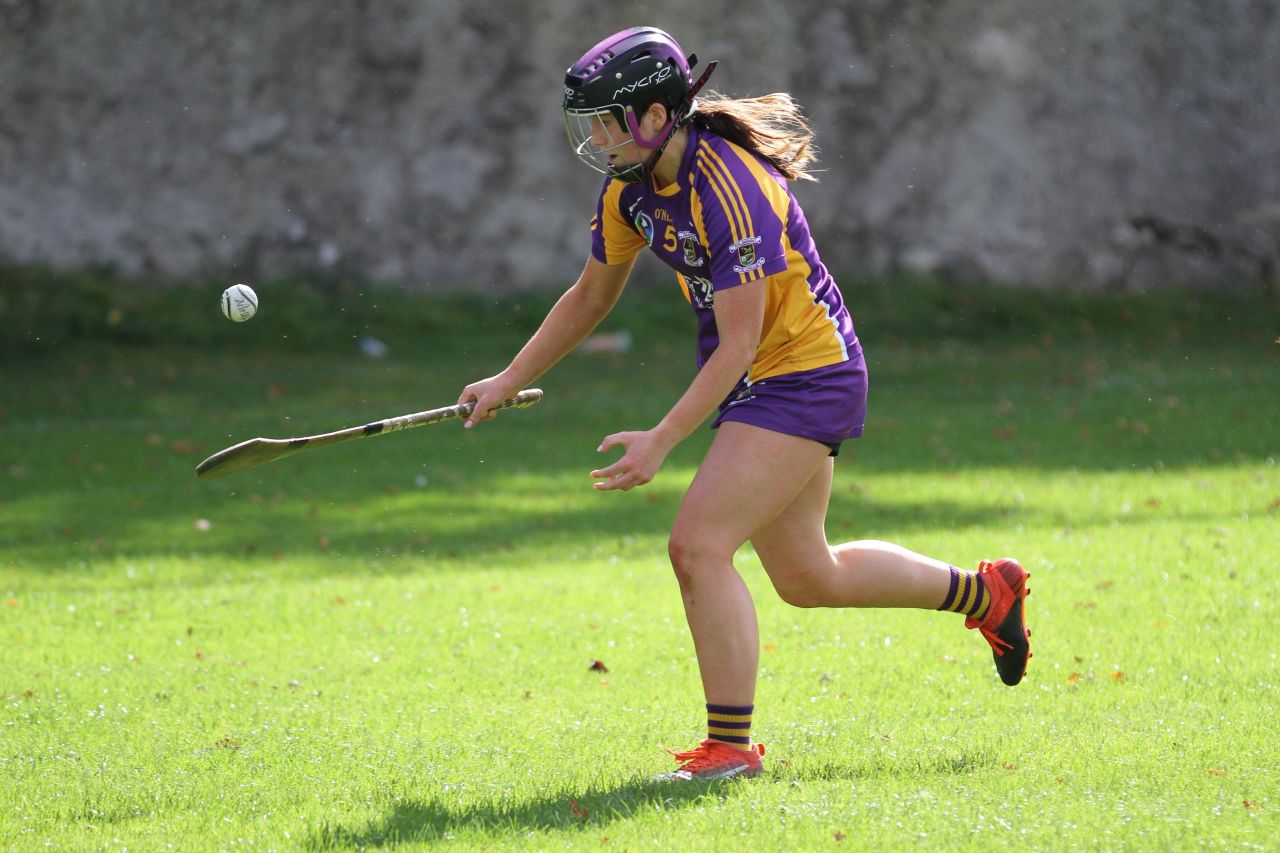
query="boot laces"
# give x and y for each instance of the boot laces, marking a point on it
(987, 627)
(701, 757)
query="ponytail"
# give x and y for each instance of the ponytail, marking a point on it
(771, 127)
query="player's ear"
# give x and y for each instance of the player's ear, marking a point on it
(657, 114)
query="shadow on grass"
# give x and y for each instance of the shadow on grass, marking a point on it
(412, 533)
(118, 484)
(912, 764)
(437, 819)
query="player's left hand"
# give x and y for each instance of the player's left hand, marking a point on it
(645, 453)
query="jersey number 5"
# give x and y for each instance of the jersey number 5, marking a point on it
(669, 241)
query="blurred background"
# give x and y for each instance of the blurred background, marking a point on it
(1096, 144)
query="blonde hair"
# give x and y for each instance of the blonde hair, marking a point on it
(770, 126)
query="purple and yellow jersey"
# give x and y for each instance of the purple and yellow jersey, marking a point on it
(730, 220)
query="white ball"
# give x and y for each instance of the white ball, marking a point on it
(239, 302)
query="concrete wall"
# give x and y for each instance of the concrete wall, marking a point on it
(1117, 143)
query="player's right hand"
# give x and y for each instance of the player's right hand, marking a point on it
(487, 394)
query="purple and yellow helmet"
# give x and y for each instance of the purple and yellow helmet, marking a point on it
(623, 75)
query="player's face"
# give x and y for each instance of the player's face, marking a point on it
(608, 135)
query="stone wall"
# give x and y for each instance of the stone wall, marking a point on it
(1091, 143)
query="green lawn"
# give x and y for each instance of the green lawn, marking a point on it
(389, 643)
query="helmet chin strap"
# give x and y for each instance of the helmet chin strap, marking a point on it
(683, 113)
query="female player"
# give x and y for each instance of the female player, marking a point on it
(704, 185)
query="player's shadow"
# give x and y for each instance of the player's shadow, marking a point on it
(436, 819)
(594, 810)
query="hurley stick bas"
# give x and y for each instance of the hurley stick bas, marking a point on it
(256, 451)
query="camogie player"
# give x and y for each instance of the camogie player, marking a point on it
(704, 184)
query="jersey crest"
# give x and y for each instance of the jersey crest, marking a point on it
(689, 243)
(748, 260)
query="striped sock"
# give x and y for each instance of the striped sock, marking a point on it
(730, 724)
(968, 595)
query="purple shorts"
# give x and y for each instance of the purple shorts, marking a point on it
(827, 404)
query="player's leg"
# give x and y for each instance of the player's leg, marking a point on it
(807, 572)
(749, 475)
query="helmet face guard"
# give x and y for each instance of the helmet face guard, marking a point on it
(623, 76)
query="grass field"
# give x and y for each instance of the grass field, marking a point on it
(389, 643)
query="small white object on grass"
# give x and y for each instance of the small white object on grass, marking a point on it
(372, 347)
(239, 302)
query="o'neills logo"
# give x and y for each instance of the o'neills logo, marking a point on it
(656, 77)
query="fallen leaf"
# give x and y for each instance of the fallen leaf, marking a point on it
(227, 743)
(598, 666)
(1213, 771)
(839, 836)
(1104, 584)
(1117, 676)
(770, 647)
(11, 602)
(1074, 678)
(1249, 804)
(578, 812)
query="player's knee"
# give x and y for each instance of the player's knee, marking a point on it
(690, 557)
(681, 553)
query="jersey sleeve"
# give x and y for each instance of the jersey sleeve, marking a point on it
(613, 240)
(738, 209)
